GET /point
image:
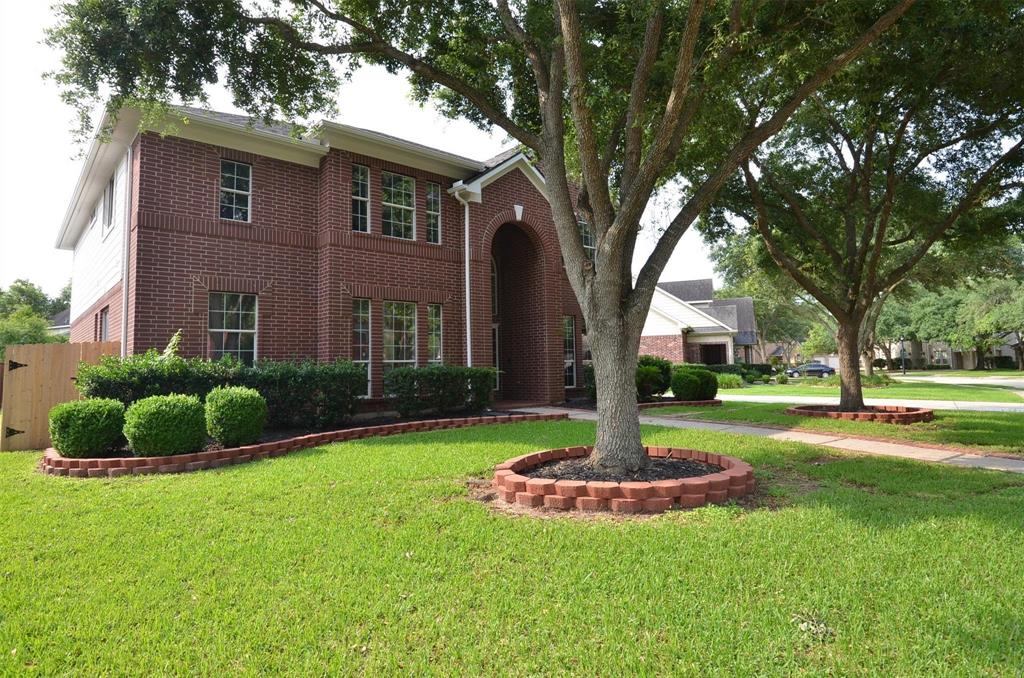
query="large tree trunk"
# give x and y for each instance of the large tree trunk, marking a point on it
(851, 397)
(868, 359)
(887, 350)
(614, 353)
(979, 357)
(916, 354)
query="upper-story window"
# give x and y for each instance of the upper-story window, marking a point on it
(361, 198)
(235, 190)
(433, 213)
(398, 208)
(587, 236)
(107, 218)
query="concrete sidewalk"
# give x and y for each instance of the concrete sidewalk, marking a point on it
(967, 405)
(837, 441)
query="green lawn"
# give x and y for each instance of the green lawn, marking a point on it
(999, 431)
(367, 558)
(907, 390)
(961, 373)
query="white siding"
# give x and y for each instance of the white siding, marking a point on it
(669, 315)
(98, 257)
(658, 325)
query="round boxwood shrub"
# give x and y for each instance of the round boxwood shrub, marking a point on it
(235, 415)
(664, 368)
(648, 383)
(781, 378)
(707, 382)
(685, 385)
(163, 425)
(86, 428)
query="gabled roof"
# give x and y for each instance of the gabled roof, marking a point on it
(742, 309)
(61, 318)
(677, 310)
(472, 188)
(690, 290)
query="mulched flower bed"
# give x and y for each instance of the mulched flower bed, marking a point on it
(526, 481)
(886, 414)
(657, 469)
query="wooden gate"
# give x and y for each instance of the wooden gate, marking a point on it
(37, 377)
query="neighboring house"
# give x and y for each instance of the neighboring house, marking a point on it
(687, 324)
(343, 244)
(940, 353)
(60, 323)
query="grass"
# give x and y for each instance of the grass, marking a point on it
(906, 390)
(367, 557)
(995, 431)
(1000, 372)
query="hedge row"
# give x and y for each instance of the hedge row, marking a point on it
(158, 425)
(304, 395)
(441, 388)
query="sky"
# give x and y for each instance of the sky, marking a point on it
(39, 163)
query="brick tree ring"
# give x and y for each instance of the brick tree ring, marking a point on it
(886, 414)
(735, 478)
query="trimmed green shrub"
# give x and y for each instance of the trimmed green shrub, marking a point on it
(590, 382)
(685, 385)
(664, 368)
(707, 382)
(719, 369)
(766, 378)
(166, 424)
(442, 388)
(648, 383)
(751, 377)
(729, 380)
(782, 378)
(759, 368)
(235, 415)
(86, 428)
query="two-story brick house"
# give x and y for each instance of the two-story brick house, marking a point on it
(346, 244)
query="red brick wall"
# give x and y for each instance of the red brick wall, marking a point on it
(85, 328)
(301, 257)
(667, 346)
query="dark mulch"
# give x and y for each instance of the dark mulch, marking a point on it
(658, 468)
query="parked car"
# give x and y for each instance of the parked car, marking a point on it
(811, 370)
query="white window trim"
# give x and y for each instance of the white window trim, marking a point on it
(565, 362)
(369, 346)
(247, 194)
(385, 203)
(440, 334)
(438, 213)
(255, 327)
(416, 337)
(367, 200)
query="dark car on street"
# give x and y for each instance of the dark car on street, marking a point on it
(811, 370)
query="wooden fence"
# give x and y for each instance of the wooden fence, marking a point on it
(37, 377)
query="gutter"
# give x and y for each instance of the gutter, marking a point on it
(456, 191)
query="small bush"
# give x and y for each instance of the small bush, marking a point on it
(446, 386)
(402, 386)
(442, 388)
(707, 382)
(729, 380)
(481, 382)
(648, 383)
(781, 378)
(163, 425)
(235, 415)
(759, 368)
(880, 363)
(766, 378)
(664, 367)
(751, 377)
(86, 428)
(685, 385)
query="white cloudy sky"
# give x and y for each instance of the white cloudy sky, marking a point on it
(39, 167)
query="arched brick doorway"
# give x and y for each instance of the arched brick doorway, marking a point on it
(518, 327)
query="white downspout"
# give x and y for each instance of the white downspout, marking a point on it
(469, 306)
(126, 225)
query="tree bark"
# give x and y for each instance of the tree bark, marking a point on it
(614, 351)
(979, 357)
(851, 397)
(868, 359)
(917, 353)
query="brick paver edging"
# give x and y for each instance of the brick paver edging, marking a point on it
(736, 479)
(112, 467)
(681, 403)
(886, 414)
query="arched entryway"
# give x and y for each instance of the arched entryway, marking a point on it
(518, 325)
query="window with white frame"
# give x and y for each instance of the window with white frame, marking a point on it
(434, 213)
(361, 337)
(235, 190)
(569, 349)
(587, 236)
(107, 220)
(232, 326)
(398, 206)
(434, 333)
(399, 334)
(104, 324)
(361, 198)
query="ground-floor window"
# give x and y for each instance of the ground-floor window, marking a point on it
(434, 335)
(399, 330)
(361, 336)
(569, 349)
(232, 326)
(104, 324)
